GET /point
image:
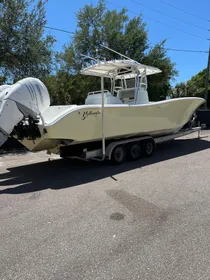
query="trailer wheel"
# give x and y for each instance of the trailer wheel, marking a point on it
(134, 151)
(149, 147)
(119, 154)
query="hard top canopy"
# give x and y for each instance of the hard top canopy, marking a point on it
(118, 68)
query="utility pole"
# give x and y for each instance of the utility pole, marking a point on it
(207, 80)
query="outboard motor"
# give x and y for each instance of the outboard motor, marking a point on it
(3, 87)
(26, 99)
(2, 92)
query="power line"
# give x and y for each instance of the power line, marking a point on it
(170, 26)
(169, 49)
(72, 33)
(191, 24)
(180, 50)
(57, 29)
(191, 14)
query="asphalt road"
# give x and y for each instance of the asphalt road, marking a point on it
(72, 220)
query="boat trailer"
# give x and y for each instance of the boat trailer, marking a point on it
(133, 148)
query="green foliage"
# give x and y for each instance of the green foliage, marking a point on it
(23, 50)
(66, 88)
(180, 90)
(159, 85)
(2, 80)
(98, 25)
(194, 87)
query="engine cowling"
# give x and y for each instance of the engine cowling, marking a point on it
(28, 97)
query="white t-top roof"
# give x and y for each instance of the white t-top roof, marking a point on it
(118, 68)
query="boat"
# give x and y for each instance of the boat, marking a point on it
(119, 112)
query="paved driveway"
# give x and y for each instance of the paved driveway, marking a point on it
(72, 220)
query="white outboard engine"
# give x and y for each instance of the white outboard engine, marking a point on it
(2, 92)
(28, 98)
(3, 87)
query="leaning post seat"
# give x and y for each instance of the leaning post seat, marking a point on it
(95, 97)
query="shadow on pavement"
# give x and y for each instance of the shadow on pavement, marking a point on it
(58, 174)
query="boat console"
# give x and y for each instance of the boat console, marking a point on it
(128, 81)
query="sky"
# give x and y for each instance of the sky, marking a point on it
(163, 22)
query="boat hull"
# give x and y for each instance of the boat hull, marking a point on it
(82, 124)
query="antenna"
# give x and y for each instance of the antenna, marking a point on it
(86, 56)
(118, 53)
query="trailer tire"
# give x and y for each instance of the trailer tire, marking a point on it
(134, 151)
(119, 154)
(149, 147)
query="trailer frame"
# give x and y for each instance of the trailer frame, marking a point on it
(106, 153)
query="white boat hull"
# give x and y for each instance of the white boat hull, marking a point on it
(81, 124)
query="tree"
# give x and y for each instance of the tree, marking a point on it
(2, 80)
(194, 87)
(98, 25)
(23, 49)
(180, 90)
(197, 84)
(159, 85)
(66, 88)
